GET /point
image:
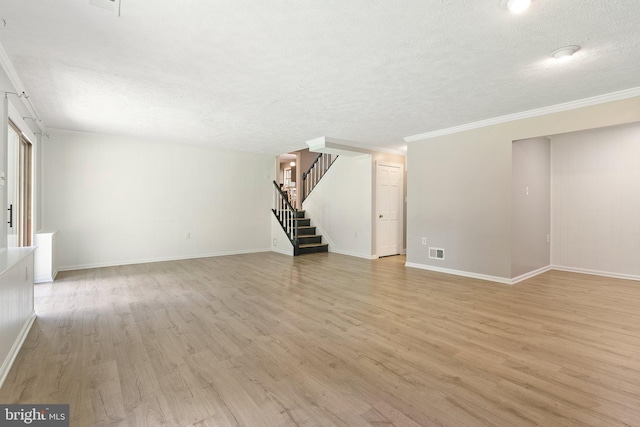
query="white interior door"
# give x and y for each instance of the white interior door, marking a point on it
(389, 216)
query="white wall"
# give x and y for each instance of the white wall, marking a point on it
(596, 200)
(530, 205)
(116, 200)
(341, 205)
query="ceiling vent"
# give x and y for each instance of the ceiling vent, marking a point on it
(112, 6)
(436, 253)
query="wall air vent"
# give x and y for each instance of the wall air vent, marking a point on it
(112, 6)
(436, 253)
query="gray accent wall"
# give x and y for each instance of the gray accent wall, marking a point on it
(459, 199)
(459, 188)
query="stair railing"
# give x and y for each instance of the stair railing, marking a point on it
(285, 213)
(317, 170)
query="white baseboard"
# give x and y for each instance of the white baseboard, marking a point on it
(43, 279)
(282, 251)
(530, 274)
(497, 279)
(353, 254)
(332, 246)
(596, 272)
(46, 279)
(161, 259)
(15, 349)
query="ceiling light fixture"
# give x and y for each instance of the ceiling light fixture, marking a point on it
(292, 164)
(565, 53)
(516, 6)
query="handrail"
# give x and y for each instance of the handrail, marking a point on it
(316, 171)
(285, 213)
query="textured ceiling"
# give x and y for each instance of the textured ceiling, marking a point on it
(269, 75)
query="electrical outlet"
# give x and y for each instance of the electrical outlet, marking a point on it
(548, 238)
(275, 242)
(187, 236)
(424, 241)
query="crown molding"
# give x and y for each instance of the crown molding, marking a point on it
(566, 106)
(12, 74)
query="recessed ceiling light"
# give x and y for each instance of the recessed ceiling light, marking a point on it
(516, 6)
(565, 53)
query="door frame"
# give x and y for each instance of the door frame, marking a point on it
(22, 214)
(400, 206)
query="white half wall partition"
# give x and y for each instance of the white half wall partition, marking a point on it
(340, 206)
(116, 200)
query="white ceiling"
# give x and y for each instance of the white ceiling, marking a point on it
(269, 75)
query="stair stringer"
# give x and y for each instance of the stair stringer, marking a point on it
(319, 230)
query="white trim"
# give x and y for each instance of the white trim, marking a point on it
(15, 349)
(502, 280)
(45, 278)
(353, 254)
(161, 259)
(566, 106)
(282, 251)
(530, 274)
(11, 72)
(596, 272)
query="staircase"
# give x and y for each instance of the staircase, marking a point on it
(295, 224)
(308, 241)
(298, 228)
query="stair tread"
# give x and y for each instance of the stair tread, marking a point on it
(306, 226)
(309, 236)
(312, 245)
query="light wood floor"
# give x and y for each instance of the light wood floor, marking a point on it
(270, 340)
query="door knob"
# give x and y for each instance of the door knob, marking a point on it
(380, 216)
